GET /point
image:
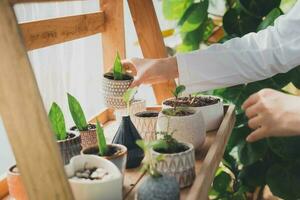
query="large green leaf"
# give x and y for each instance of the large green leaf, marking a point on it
(296, 77)
(118, 69)
(250, 153)
(196, 17)
(284, 180)
(77, 113)
(259, 8)
(238, 135)
(174, 9)
(221, 182)
(286, 148)
(57, 121)
(254, 175)
(270, 18)
(101, 140)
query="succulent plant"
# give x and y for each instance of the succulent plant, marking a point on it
(77, 113)
(57, 122)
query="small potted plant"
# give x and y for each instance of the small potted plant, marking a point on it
(92, 177)
(69, 143)
(87, 131)
(116, 153)
(115, 84)
(136, 105)
(189, 124)
(156, 185)
(15, 185)
(127, 135)
(179, 159)
(145, 122)
(210, 106)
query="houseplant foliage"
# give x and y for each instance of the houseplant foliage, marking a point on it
(247, 166)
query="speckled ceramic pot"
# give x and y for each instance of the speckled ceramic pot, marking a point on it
(70, 147)
(180, 165)
(137, 105)
(146, 126)
(189, 129)
(88, 138)
(213, 114)
(113, 91)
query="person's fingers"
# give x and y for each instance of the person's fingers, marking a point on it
(129, 66)
(252, 111)
(137, 82)
(250, 101)
(255, 122)
(258, 134)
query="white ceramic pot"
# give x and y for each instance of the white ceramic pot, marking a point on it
(113, 91)
(180, 165)
(110, 189)
(137, 105)
(213, 114)
(189, 129)
(146, 126)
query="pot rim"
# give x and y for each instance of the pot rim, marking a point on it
(76, 133)
(221, 101)
(129, 75)
(189, 150)
(195, 113)
(145, 111)
(120, 146)
(10, 172)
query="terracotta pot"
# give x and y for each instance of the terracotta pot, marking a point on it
(69, 147)
(119, 160)
(15, 185)
(213, 114)
(137, 105)
(180, 165)
(113, 91)
(110, 189)
(88, 138)
(146, 126)
(189, 129)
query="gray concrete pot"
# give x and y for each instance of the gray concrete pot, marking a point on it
(70, 147)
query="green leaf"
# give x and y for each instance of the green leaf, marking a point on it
(174, 9)
(77, 113)
(287, 148)
(254, 175)
(284, 180)
(179, 90)
(118, 69)
(101, 140)
(57, 121)
(259, 8)
(270, 18)
(296, 77)
(250, 153)
(160, 144)
(196, 17)
(222, 182)
(129, 94)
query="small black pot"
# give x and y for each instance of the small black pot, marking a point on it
(127, 135)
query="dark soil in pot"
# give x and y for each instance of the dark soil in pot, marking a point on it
(179, 148)
(192, 101)
(146, 114)
(90, 127)
(110, 76)
(113, 151)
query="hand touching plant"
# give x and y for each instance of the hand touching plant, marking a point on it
(272, 113)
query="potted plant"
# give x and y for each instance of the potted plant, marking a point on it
(127, 135)
(210, 106)
(116, 153)
(115, 84)
(69, 143)
(179, 159)
(189, 124)
(15, 185)
(136, 105)
(87, 131)
(156, 185)
(94, 178)
(145, 122)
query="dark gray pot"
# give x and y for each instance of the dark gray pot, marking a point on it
(70, 147)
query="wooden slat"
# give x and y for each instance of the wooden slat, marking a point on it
(151, 40)
(113, 38)
(104, 116)
(25, 119)
(45, 33)
(28, 1)
(206, 175)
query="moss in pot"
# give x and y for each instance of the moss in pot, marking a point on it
(87, 131)
(115, 84)
(69, 143)
(127, 135)
(116, 153)
(156, 185)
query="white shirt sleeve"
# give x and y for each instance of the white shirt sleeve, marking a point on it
(255, 56)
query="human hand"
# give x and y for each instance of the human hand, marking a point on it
(152, 71)
(272, 113)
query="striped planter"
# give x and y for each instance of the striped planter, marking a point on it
(137, 105)
(69, 147)
(180, 165)
(146, 126)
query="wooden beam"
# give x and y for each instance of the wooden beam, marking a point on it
(113, 38)
(151, 40)
(25, 119)
(104, 116)
(29, 1)
(45, 33)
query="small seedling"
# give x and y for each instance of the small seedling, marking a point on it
(102, 145)
(118, 68)
(57, 121)
(128, 96)
(77, 113)
(177, 92)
